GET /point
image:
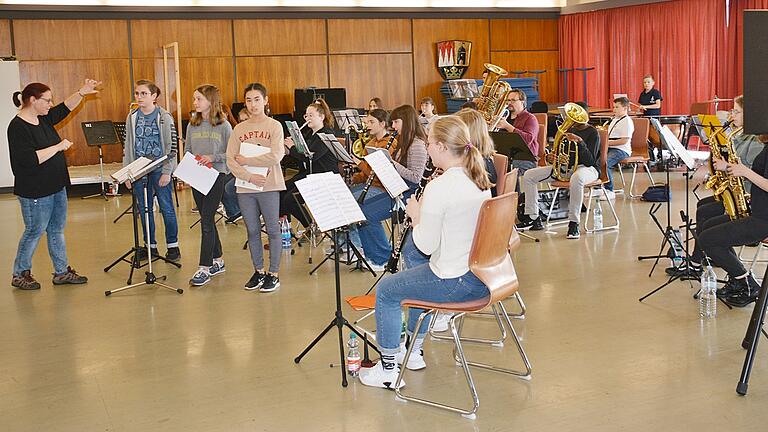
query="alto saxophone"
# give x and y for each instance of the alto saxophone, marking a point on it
(726, 188)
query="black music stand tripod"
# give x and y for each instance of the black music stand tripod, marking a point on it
(98, 134)
(150, 278)
(756, 326)
(338, 321)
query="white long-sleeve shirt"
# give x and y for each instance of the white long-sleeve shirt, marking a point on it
(449, 209)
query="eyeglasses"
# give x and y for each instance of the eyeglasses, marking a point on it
(50, 101)
(514, 100)
(142, 94)
(736, 111)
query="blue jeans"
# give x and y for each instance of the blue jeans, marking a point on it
(411, 255)
(229, 199)
(43, 215)
(165, 200)
(418, 283)
(376, 208)
(614, 156)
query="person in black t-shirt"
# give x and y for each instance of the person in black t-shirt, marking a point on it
(650, 98)
(319, 120)
(720, 234)
(41, 178)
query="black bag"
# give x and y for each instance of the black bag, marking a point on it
(657, 194)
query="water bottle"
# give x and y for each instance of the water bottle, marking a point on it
(285, 233)
(353, 356)
(597, 218)
(708, 293)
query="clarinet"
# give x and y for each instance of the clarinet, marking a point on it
(398, 249)
(369, 182)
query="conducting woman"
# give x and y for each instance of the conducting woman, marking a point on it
(444, 223)
(41, 179)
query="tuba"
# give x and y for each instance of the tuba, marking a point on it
(726, 188)
(492, 102)
(566, 151)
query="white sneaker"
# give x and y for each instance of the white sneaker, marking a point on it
(376, 267)
(441, 321)
(377, 376)
(611, 195)
(415, 361)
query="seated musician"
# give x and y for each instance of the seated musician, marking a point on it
(478, 132)
(444, 222)
(720, 234)
(588, 170)
(409, 160)
(375, 103)
(620, 132)
(747, 147)
(524, 124)
(319, 120)
(376, 122)
(428, 115)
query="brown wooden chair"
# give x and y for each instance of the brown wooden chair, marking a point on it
(543, 120)
(510, 182)
(639, 156)
(491, 261)
(501, 163)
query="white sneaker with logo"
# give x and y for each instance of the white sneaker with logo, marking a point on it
(377, 376)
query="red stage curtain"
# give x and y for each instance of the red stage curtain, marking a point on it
(676, 41)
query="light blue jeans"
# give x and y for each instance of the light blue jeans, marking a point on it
(614, 156)
(411, 255)
(43, 215)
(418, 283)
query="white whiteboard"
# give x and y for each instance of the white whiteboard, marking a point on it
(9, 83)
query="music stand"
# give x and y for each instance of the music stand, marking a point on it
(333, 193)
(465, 89)
(347, 117)
(97, 134)
(122, 176)
(754, 329)
(512, 146)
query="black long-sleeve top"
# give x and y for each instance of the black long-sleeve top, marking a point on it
(33, 179)
(589, 149)
(322, 158)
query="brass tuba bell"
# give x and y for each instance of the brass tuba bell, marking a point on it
(492, 102)
(363, 138)
(566, 151)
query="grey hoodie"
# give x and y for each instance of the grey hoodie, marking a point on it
(168, 138)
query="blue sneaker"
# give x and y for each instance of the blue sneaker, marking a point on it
(216, 268)
(200, 278)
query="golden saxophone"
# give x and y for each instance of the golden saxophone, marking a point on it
(726, 188)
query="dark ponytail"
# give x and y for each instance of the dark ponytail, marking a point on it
(36, 90)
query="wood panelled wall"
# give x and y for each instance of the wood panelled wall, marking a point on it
(394, 59)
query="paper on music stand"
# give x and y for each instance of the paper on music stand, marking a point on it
(200, 177)
(297, 137)
(346, 117)
(335, 147)
(137, 169)
(674, 145)
(387, 174)
(329, 200)
(252, 150)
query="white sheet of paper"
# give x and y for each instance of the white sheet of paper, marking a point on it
(677, 147)
(329, 200)
(252, 150)
(386, 172)
(198, 176)
(137, 169)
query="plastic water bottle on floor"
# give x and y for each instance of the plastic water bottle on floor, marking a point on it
(353, 356)
(285, 233)
(708, 293)
(597, 214)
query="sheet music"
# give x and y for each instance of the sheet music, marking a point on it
(200, 177)
(673, 144)
(346, 117)
(335, 147)
(252, 150)
(387, 174)
(137, 169)
(297, 137)
(329, 200)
